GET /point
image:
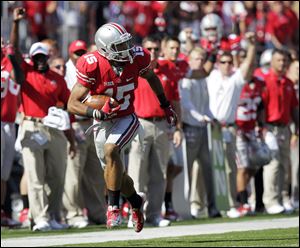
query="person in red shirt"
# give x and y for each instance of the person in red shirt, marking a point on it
(281, 107)
(44, 145)
(113, 70)
(11, 79)
(155, 157)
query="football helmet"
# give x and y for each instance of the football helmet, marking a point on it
(212, 27)
(259, 153)
(265, 58)
(114, 42)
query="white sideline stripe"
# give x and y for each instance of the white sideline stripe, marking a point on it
(149, 233)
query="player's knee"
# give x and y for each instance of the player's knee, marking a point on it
(110, 151)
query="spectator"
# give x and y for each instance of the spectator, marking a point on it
(293, 75)
(43, 147)
(148, 160)
(53, 47)
(11, 79)
(84, 183)
(224, 87)
(57, 64)
(281, 106)
(196, 115)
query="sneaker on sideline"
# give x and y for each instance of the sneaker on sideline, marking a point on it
(79, 224)
(57, 226)
(234, 213)
(113, 216)
(275, 209)
(159, 222)
(8, 222)
(171, 215)
(288, 208)
(42, 226)
(197, 213)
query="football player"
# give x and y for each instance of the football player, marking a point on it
(113, 70)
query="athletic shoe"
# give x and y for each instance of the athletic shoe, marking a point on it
(275, 209)
(125, 211)
(42, 226)
(57, 226)
(113, 216)
(82, 223)
(8, 222)
(138, 215)
(234, 213)
(24, 219)
(159, 222)
(171, 215)
(245, 209)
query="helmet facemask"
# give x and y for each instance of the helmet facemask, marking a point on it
(120, 50)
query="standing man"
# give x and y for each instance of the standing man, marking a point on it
(11, 80)
(224, 88)
(44, 148)
(148, 159)
(114, 70)
(196, 115)
(84, 184)
(281, 106)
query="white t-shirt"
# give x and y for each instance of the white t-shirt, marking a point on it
(70, 77)
(224, 94)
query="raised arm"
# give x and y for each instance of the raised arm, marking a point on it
(248, 63)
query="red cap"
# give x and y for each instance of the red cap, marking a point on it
(77, 45)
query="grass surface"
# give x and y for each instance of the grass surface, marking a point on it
(265, 238)
(14, 233)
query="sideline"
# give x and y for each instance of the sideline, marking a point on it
(149, 233)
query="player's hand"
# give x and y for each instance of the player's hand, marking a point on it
(19, 14)
(170, 115)
(107, 112)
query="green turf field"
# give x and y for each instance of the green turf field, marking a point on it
(265, 238)
(13, 233)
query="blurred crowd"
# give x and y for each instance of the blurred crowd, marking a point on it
(222, 53)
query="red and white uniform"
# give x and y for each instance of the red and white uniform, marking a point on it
(250, 99)
(42, 91)
(146, 102)
(246, 117)
(9, 92)
(95, 72)
(179, 68)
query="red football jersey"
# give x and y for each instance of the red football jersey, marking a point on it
(40, 91)
(95, 72)
(9, 92)
(250, 99)
(146, 103)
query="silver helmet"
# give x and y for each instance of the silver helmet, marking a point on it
(114, 42)
(211, 27)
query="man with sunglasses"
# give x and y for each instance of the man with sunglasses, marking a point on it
(84, 184)
(224, 87)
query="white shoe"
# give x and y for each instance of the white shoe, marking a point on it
(275, 209)
(197, 213)
(233, 213)
(42, 226)
(57, 226)
(130, 223)
(160, 222)
(288, 207)
(80, 224)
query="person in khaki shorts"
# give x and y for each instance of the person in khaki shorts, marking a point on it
(44, 148)
(84, 184)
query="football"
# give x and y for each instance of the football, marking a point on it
(98, 101)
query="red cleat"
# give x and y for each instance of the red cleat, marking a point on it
(138, 216)
(113, 216)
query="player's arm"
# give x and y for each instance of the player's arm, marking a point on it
(75, 105)
(157, 88)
